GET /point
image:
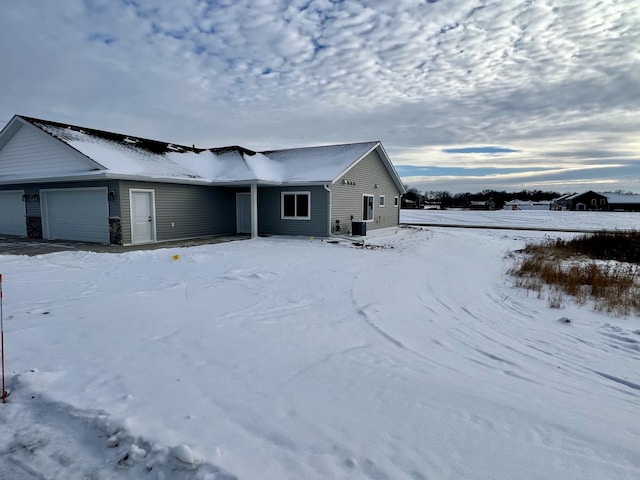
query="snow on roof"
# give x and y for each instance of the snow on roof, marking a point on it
(224, 166)
(619, 198)
(318, 163)
(564, 197)
(134, 156)
(527, 202)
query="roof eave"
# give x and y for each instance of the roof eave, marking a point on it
(35, 125)
(60, 178)
(105, 175)
(387, 163)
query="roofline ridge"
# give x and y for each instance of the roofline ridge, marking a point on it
(372, 142)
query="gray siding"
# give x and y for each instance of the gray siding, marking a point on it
(31, 151)
(33, 207)
(195, 210)
(34, 212)
(269, 213)
(346, 198)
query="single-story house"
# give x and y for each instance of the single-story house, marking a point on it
(527, 205)
(60, 181)
(482, 205)
(561, 203)
(598, 201)
(591, 201)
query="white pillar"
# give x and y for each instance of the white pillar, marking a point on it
(254, 210)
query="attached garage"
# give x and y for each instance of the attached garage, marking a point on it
(80, 214)
(12, 213)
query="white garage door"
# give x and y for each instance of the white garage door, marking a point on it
(80, 214)
(12, 213)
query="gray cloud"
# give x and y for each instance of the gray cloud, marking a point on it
(557, 80)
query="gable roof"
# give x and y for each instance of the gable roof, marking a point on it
(563, 197)
(125, 156)
(588, 192)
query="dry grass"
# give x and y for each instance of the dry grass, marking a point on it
(600, 268)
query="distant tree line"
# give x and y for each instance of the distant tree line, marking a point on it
(443, 199)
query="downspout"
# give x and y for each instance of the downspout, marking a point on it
(326, 187)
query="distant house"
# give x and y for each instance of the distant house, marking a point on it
(587, 201)
(482, 205)
(597, 201)
(60, 181)
(561, 203)
(527, 205)
(622, 202)
(432, 205)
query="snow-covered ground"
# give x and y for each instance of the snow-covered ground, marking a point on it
(527, 218)
(282, 358)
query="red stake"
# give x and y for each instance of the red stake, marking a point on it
(4, 392)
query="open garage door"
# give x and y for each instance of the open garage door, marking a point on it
(80, 214)
(12, 213)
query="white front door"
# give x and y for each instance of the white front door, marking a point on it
(143, 223)
(243, 212)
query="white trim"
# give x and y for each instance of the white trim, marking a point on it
(382, 201)
(356, 161)
(396, 201)
(282, 216)
(329, 210)
(154, 236)
(386, 162)
(373, 207)
(44, 134)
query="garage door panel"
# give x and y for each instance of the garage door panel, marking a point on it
(12, 213)
(81, 215)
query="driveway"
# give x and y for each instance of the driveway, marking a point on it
(10, 245)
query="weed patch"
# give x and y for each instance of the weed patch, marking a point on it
(601, 269)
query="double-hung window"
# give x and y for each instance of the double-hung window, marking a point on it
(367, 207)
(296, 205)
(381, 201)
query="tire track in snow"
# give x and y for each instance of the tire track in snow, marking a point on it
(325, 358)
(508, 332)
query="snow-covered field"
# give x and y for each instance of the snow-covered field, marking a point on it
(527, 218)
(286, 358)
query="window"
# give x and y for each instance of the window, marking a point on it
(296, 205)
(602, 201)
(395, 201)
(593, 201)
(381, 202)
(367, 208)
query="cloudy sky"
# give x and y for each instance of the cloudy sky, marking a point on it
(464, 94)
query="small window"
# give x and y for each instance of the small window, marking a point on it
(296, 205)
(367, 208)
(602, 201)
(594, 201)
(395, 201)
(381, 202)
